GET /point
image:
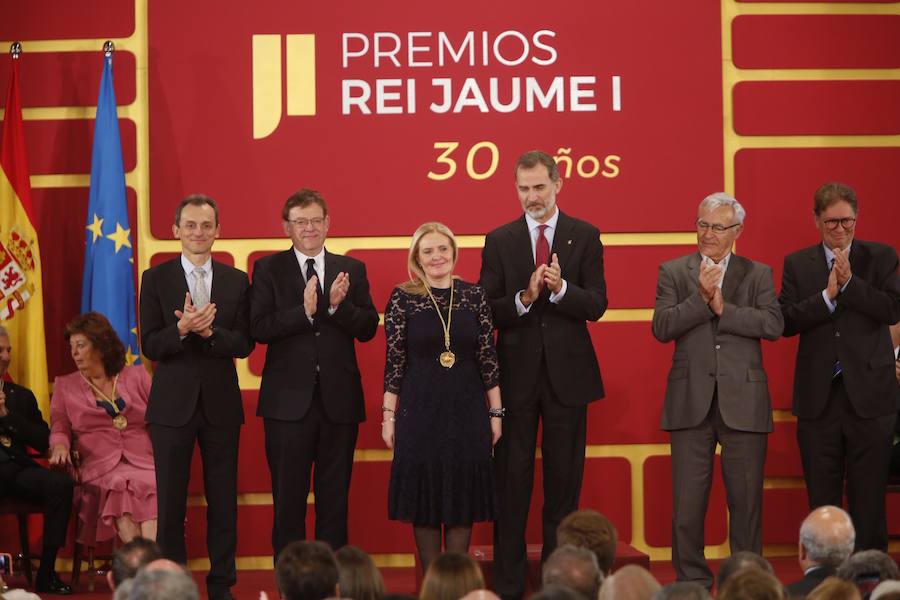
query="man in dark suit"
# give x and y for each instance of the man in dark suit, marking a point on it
(543, 274)
(195, 320)
(841, 296)
(309, 306)
(716, 306)
(826, 540)
(21, 427)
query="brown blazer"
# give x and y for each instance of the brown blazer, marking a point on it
(713, 352)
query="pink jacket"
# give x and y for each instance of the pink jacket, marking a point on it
(74, 414)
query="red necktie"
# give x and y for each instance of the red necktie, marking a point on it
(541, 248)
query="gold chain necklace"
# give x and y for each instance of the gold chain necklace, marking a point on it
(447, 358)
(119, 421)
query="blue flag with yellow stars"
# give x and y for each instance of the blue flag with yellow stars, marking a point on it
(108, 283)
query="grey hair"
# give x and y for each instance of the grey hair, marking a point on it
(819, 545)
(714, 201)
(123, 590)
(682, 590)
(574, 567)
(160, 584)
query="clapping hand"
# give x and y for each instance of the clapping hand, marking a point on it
(195, 320)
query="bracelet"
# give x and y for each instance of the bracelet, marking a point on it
(389, 420)
(497, 412)
(385, 409)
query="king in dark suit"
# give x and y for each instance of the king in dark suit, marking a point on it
(543, 275)
(23, 427)
(195, 320)
(841, 296)
(716, 307)
(311, 396)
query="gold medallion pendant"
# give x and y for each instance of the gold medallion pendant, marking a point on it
(6, 441)
(120, 422)
(448, 359)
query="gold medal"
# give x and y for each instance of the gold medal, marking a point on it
(448, 359)
(6, 441)
(120, 422)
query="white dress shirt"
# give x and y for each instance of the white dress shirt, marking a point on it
(533, 232)
(189, 267)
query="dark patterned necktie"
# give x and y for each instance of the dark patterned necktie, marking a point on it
(310, 273)
(541, 248)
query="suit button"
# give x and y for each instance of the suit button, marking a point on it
(837, 334)
(318, 333)
(718, 346)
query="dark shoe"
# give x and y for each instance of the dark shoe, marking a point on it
(226, 595)
(51, 584)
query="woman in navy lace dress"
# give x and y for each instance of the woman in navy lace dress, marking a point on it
(441, 398)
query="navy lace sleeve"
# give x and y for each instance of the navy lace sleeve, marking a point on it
(395, 338)
(487, 353)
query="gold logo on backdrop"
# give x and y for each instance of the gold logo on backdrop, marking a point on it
(300, 63)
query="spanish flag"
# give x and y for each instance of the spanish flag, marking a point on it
(21, 297)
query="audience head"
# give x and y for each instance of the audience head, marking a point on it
(834, 588)
(826, 538)
(682, 590)
(306, 570)
(160, 581)
(131, 557)
(451, 576)
(555, 591)
(358, 577)
(480, 595)
(576, 568)
(867, 569)
(751, 583)
(94, 341)
(886, 590)
(631, 582)
(5, 351)
(590, 529)
(741, 560)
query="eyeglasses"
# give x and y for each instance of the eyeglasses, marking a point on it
(316, 222)
(717, 228)
(846, 223)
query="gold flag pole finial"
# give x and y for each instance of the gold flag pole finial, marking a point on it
(108, 48)
(15, 49)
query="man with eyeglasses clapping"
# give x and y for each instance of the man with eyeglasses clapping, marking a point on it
(310, 305)
(716, 306)
(841, 295)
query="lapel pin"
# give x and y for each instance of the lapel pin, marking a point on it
(569, 242)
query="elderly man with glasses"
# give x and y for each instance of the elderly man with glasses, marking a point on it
(841, 296)
(716, 306)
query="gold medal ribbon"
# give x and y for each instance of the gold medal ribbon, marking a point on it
(447, 358)
(119, 421)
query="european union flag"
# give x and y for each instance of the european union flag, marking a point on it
(108, 284)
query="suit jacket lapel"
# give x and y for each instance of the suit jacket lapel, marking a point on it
(734, 275)
(819, 268)
(332, 268)
(522, 251)
(179, 280)
(217, 282)
(292, 270)
(693, 265)
(563, 240)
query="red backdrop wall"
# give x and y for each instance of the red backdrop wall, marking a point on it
(650, 106)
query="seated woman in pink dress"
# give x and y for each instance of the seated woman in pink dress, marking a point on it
(100, 410)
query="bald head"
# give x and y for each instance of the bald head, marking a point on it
(481, 595)
(827, 537)
(631, 582)
(164, 564)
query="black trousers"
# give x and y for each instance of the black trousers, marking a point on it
(562, 451)
(840, 444)
(295, 449)
(53, 489)
(693, 455)
(173, 448)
